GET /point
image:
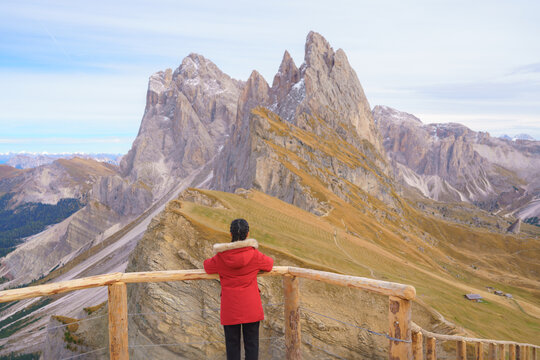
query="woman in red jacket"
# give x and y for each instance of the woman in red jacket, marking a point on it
(237, 264)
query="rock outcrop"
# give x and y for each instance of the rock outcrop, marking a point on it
(515, 227)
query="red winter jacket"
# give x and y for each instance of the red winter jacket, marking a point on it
(237, 264)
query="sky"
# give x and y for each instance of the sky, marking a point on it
(74, 74)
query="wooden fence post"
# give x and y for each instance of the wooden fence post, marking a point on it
(511, 352)
(519, 352)
(533, 355)
(431, 349)
(399, 318)
(479, 351)
(500, 350)
(417, 348)
(461, 350)
(292, 318)
(118, 322)
(492, 351)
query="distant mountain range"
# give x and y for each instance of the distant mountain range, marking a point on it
(32, 160)
(517, 137)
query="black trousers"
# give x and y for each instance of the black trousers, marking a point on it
(251, 340)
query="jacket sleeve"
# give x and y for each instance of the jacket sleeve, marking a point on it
(265, 262)
(210, 265)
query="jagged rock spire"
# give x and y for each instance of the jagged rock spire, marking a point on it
(233, 167)
(333, 91)
(324, 86)
(288, 75)
(318, 52)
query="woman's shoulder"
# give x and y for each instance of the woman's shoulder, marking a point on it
(221, 247)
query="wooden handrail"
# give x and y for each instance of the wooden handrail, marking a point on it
(109, 279)
(59, 287)
(387, 288)
(399, 305)
(381, 287)
(442, 337)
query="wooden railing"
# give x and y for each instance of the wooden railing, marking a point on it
(496, 348)
(402, 345)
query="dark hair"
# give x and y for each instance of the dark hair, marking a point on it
(239, 229)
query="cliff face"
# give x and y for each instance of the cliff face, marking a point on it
(187, 117)
(450, 162)
(322, 100)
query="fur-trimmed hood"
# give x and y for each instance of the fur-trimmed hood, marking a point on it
(235, 245)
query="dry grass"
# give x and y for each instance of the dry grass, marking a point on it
(321, 242)
(7, 172)
(72, 324)
(80, 169)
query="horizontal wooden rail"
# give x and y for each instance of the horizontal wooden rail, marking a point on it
(109, 279)
(181, 275)
(58, 287)
(387, 288)
(381, 287)
(428, 334)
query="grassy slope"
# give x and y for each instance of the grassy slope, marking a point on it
(83, 169)
(364, 236)
(7, 171)
(299, 234)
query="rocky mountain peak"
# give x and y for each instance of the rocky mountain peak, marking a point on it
(287, 75)
(333, 92)
(256, 91)
(287, 70)
(318, 52)
(196, 66)
(188, 115)
(389, 114)
(325, 87)
(322, 97)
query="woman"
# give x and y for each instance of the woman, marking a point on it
(237, 264)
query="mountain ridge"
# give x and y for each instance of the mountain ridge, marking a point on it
(450, 162)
